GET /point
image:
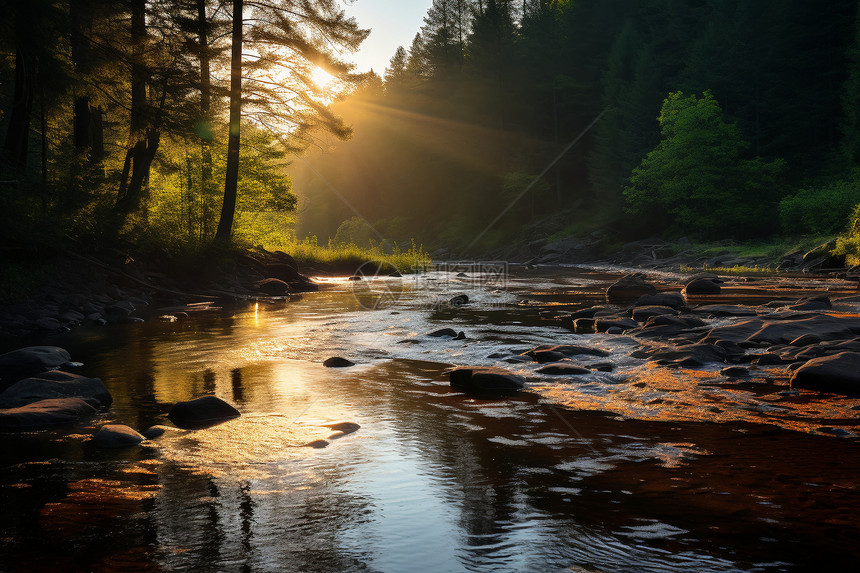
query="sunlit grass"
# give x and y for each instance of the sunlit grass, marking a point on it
(348, 257)
(737, 270)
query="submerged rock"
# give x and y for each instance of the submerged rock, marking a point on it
(459, 300)
(55, 384)
(837, 374)
(205, 411)
(485, 381)
(45, 414)
(337, 362)
(560, 368)
(116, 436)
(443, 332)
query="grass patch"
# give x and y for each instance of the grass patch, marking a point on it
(347, 258)
(737, 270)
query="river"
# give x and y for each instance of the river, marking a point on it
(637, 469)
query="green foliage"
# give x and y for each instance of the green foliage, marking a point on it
(824, 209)
(354, 231)
(348, 257)
(699, 176)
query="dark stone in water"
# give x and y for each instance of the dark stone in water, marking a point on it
(460, 299)
(481, 381)
(840, 432)
(28, 361)
(604, 324)
(583, 326)
(444, 332)
(735, 372)
(116, 436)
(628, 289)
(671, 299)
(342, 429)
(725, 310)
(460, 336)
(558, 369)
(45, 414)
(205, 411)
(55, 384)
(643, 313)
(153, 432)
(352, 278)
(837, 374)
(555, 353)
(702, 286)
(317, 444)
(337, 362)
(806, 340)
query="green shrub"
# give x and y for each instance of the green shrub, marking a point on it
(820, 210)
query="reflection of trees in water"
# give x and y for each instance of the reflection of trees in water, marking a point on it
(227, 522)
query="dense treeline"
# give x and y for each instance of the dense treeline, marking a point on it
(714, 119)
(114, 115)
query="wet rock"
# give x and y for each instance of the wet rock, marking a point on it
(720, 310)
(812, 303)
(481, 381)
(120, 308)
(605, 324)
(343, 427)
(443, 332)
(628, 289)
(806, 340)
(459, 300)
(583, 326)
(153, 432)
(735, 372)
(671, 299)
(557, 352)
(317, 444)
(50, 324)
(28, 361)
(116, 436)
(690, 356)
(55, 384)
(643, 313)
(824, 326)
(204, 411)
(839, 432)
(337, 362)
(352, 278)
(702, 286)
(560, 368)
(460, 336)
(837, 374)
(45, 414)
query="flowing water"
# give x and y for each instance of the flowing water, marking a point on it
(638, 469)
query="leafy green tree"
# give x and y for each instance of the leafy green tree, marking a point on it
(700, 177)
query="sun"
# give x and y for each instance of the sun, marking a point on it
(321, 77)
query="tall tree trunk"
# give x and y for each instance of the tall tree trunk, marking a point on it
(18, 133)
(143, 137)
(205, 102)
(231, 179)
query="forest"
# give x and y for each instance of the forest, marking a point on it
(708, 119)
(163, 124)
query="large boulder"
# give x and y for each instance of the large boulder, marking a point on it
(704, 286)
(480, 381)
(45, 414)
(671, 299)
(837, 374)
(205, 411)
(824, 326)
(116, 436)
(628, 289)
(55, 384)
(28, 361)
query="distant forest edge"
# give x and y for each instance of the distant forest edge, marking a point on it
(721, 119)
(504, 123)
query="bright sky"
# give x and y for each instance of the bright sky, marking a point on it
(392, 22)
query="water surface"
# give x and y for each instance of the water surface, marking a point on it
(640, 469)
